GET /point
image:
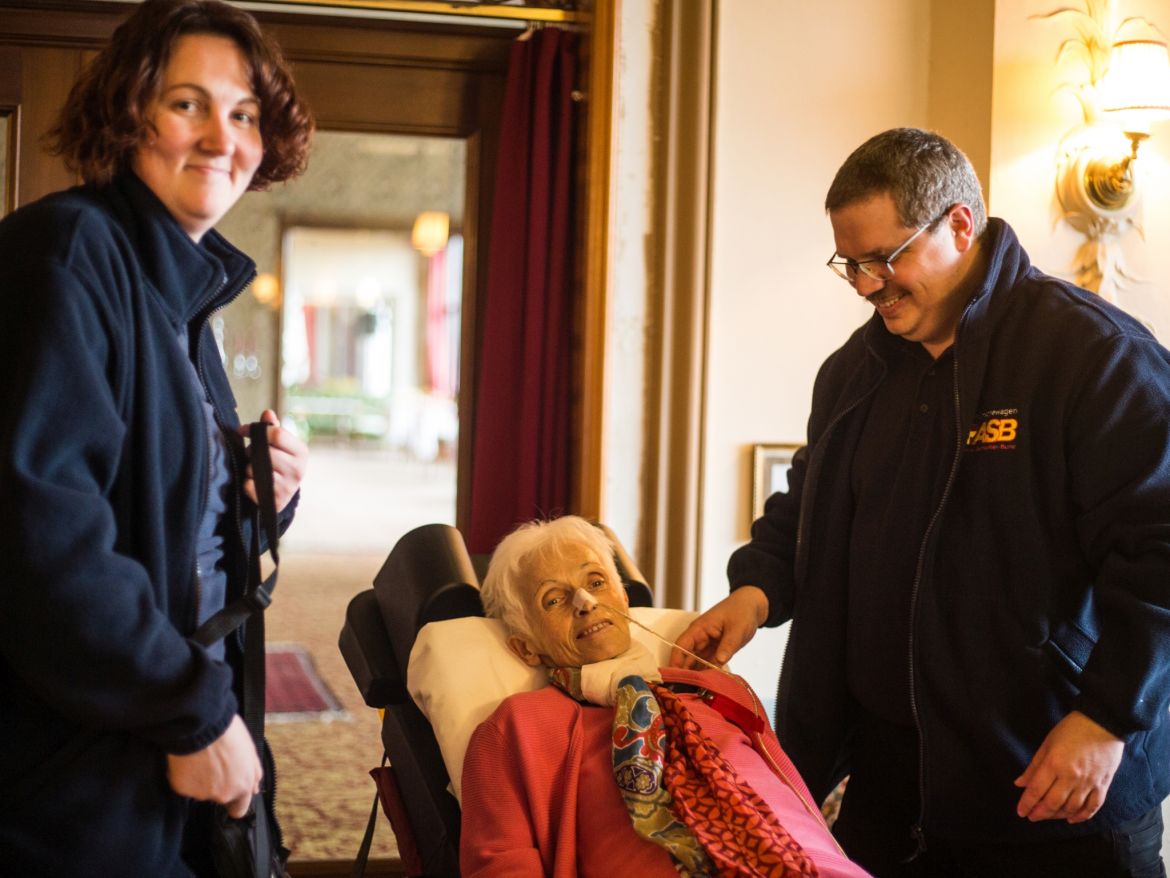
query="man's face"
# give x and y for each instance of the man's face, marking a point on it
(925, 298)
(565, 636)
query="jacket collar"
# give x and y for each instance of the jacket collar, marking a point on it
(1007, 265)
(191, 280)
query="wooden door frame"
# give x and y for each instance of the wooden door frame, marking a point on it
(75, 28)
(460, 70)
(595, 186)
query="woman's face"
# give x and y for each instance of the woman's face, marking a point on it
(204, 142)
(564, 636)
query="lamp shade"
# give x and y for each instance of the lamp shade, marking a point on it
(429, 235)
(266, 289)
(1137, 85)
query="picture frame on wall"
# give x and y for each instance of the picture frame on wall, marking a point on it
(770, 465)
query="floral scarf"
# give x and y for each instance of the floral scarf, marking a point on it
(683, 795)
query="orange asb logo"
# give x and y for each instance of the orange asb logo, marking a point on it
(995, 430)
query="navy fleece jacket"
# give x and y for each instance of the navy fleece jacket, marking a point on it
(1045, 574)
(103, 479)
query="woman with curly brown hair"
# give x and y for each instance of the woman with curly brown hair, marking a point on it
(128, 496)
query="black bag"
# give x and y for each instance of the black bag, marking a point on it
(251, 846)
(239, 846)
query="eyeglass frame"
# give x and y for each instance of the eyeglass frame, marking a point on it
(861, 265)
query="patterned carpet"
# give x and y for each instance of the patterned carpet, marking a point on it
(323, 788)
(294, 691)
(355, 503)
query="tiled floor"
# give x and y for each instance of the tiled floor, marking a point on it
(354, 507)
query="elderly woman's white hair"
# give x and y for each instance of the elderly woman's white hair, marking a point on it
(531, 543)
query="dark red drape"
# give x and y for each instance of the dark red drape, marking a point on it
(520, 456)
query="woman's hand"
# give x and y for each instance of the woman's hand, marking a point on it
(227, 771)
(290, 458)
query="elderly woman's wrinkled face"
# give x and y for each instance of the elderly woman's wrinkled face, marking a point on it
(562, 635)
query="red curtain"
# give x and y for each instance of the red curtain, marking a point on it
(440, 380)
(520, 456)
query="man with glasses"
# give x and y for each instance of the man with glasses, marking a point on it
(974, 549)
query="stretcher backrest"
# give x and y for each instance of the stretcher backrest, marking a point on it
(427, 577)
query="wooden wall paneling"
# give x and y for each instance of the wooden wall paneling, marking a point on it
(357, 75)
(53, 39)
(595, 212)
(10, 86)
(59, 22)
(406, 101)
(10, 77)
(47, 75)
(402, 44)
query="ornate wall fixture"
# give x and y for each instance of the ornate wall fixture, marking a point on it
(1127, 87)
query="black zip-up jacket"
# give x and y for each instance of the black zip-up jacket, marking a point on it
(104, 473)
(1043, 580)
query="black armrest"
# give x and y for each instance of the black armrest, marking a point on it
(366, 649)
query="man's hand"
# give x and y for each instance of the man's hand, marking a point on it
(1070, 774)
(290, 458)
(723, 630)
(227, 771)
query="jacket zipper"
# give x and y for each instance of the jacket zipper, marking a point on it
(274, 824)
(202, 317)
(202, 313)
(198, 590)
(917, 831)
(198, 574)
(202, 515)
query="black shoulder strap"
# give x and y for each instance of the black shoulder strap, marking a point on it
(258, 593)
(363, 855)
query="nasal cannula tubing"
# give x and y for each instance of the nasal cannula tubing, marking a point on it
(583, 600)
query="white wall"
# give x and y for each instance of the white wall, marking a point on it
(796, 90)
(795, 93)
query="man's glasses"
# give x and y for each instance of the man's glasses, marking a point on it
(878, 269)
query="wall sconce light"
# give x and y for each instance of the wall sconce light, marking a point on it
(1135, 92)
(429, 235)
(1096, 185)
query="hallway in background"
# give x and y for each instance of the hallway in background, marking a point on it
(355, 505)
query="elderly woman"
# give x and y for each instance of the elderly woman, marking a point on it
(620, 767)
(128, 494)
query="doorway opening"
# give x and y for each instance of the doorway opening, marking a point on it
(351, 334)
(369, 376)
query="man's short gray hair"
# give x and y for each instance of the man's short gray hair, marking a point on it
(922, 171)
(533, 543)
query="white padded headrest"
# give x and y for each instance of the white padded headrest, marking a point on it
(461, 669)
